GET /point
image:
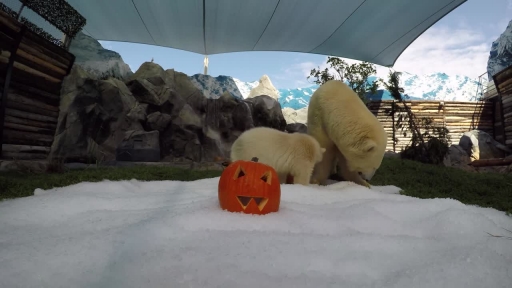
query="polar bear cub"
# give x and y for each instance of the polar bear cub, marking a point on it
(292, 154)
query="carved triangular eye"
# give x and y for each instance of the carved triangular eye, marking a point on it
(267, 177)
(239, 173)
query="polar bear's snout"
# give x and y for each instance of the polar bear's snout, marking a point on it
(367, 176)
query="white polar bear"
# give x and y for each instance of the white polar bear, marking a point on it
(343, 125)
(292, 154)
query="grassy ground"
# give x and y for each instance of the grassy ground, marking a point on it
(16, 184)
(416, 179)
(430, 181)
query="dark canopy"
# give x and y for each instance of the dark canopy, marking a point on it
(377, 31)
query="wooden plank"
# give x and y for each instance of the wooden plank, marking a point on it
(25, 148)
(39, 53)
(24, 100)
(4, 58)
(34, 81)
(31, 109)
(21, 127)
(9, 22)
(26, 138)
(23, 156)
(32, 92)
(32, 123)
(37, 64)
(506, 101)
(30, 116)
(505, 84)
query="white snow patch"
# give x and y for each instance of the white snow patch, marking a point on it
(245, 87)
(173, 234)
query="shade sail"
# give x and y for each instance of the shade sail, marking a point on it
(377, 31)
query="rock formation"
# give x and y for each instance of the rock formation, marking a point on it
(295, 116)
(296, 127)
(96, 60)
(266, 111)
(214, 87)
(500, 56)
(264, 87)
(104, 119)
(480, 145)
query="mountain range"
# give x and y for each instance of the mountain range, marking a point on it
(438, 86)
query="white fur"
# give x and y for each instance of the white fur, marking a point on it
(352, 136)
(295, 154)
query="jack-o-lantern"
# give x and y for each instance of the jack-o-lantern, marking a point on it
(249, 187)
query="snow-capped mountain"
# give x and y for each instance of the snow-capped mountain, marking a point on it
(213, 87)
(296, 98)
(500, 56)
(245, 87)
(438, 86)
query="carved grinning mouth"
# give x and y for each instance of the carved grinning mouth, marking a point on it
(245, 200)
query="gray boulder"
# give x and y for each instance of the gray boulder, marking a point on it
(481, 145)
(267, 112)
(139, 146)
(296, 127)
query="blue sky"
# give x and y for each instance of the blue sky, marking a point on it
(458, 44)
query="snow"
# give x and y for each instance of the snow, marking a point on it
(245, 87)
(436, 86)
(173, 234)
(214, 87)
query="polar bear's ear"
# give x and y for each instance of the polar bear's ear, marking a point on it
(322, 149)
(368, 146)
(364, 147)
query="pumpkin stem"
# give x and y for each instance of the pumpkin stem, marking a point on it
(254, 159)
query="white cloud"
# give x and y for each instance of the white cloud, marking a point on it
(460, 51)
(295, 75)
(300, 71)
(454, 51)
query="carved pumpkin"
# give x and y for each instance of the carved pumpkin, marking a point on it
(249, 187)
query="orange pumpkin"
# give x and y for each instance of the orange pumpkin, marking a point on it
(249, 187)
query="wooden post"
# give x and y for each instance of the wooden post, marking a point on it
(393, 124)
(502, 115)
(493, 101)
(500, 99)
(8, 74)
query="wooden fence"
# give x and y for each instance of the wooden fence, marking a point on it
(31, 72)
(503, 106)
(457, 117)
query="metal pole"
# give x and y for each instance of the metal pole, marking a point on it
(66, 41)
(19, 12)
(7, 81)
(205, 65)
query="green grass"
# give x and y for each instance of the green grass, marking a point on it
(16, 184)
(432, 181)
(416, 179)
